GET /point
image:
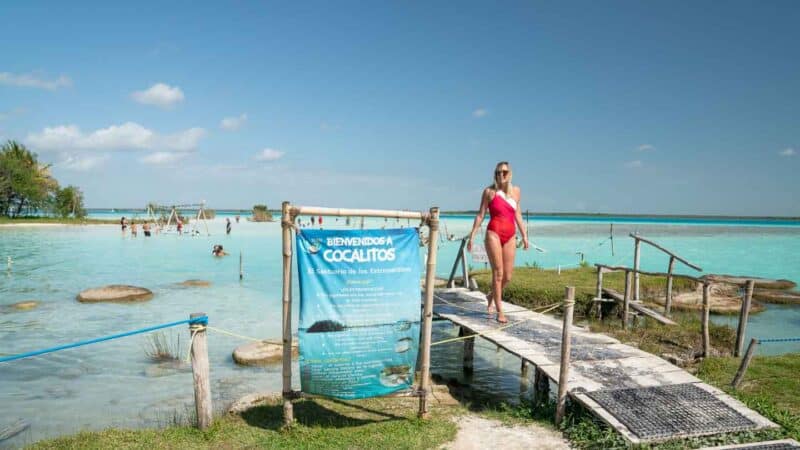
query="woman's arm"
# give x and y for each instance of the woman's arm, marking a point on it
(520, 224)
(476, 225)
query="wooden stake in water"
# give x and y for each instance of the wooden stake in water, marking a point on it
(563, 375)
(704, 321)
(241, 266)
(744, 315)
(200, 373)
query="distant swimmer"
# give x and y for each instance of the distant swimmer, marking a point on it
(146, 229)
(134, 231)
(218, 251)
(180, 226)
(502, 200)
(312, 220)
(237, 218)
(123, 223)
(227, 225)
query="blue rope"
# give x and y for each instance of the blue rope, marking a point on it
(794, 339)
(203, 320)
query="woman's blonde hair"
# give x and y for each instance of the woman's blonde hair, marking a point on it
(495, 185)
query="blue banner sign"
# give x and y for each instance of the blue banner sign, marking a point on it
(359, 311)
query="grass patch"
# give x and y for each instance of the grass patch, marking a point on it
(533, 287)
(160, 347)
(320, 423)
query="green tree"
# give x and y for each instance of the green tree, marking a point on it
(69, 202)
(25, 184)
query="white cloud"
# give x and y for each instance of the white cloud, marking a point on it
(233, 123)
(788, 152)
(634, 164)
(268, 154)
(163, 158)
(159, 94)
(128, 136)
(82, 163)
(34, 81)
(327, 126)
(645, 148)
(480, 112)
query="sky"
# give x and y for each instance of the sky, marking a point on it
(672, 107)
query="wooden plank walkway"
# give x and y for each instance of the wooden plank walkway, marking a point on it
(604, 373)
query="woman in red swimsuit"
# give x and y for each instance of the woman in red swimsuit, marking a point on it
(502, 201)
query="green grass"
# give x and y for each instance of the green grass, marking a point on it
(535, 288)
(320, 424)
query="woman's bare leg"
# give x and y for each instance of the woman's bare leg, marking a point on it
(494, 251)
(509, 251)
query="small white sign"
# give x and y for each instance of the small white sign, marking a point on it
(479, 253)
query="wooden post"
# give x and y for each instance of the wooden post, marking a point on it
(626, 300)
(744, 315)
(563, 375)
(611, 236)
(451, 280)
(241, 266)
(668, 298)
(464, 266)
(287, 221)
(200, 372)
(704, 322)
(523, 377)
(599, 292)
(469, 348)
(427, 316)
(737, 380)
(541, 386)
(636, 259)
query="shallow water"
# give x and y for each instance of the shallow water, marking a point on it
(113, 383)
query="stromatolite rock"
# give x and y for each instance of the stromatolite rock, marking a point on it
(30, 304)
(195, 283)
(119, 293)
(261, 353)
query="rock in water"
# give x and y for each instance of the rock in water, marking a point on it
(30, 304)
(195, 283)
(261, 353)
(118, 293)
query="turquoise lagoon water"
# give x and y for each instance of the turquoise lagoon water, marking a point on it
(113, 384)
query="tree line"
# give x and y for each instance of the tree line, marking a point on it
(28, 188)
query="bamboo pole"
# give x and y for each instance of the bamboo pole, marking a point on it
(433, 226)
(704, 322)
(611, 236)
(744, 315)
(287, 219)
(626, 300)
(636, 260)
(668, 298)
(320, 211)
(200, 373)
(563, 374)
(648, 241)
(737, 380)
(241, 266)
(660, 274)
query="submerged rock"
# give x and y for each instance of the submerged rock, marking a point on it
(763, 283)
(776, 296)
(118, 293)
(22, 306)
(261, 353)
(195, 283)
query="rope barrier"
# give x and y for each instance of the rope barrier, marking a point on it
(247, 338)
(792, 339)
(197, 320)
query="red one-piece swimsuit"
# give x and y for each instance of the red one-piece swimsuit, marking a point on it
(502, 213)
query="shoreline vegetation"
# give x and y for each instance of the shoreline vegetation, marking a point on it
(770, 387)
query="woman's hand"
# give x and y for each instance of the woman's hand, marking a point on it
(525, 243)
(469, 244)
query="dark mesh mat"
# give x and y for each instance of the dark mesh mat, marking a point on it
(678, 410)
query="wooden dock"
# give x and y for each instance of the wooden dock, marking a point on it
(641, 396)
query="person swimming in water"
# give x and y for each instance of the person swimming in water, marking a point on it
(218, 251)
(502, 200)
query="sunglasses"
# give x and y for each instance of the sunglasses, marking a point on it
(501, 172)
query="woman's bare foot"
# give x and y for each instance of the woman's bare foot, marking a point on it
(501, 318)
(490, 300)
